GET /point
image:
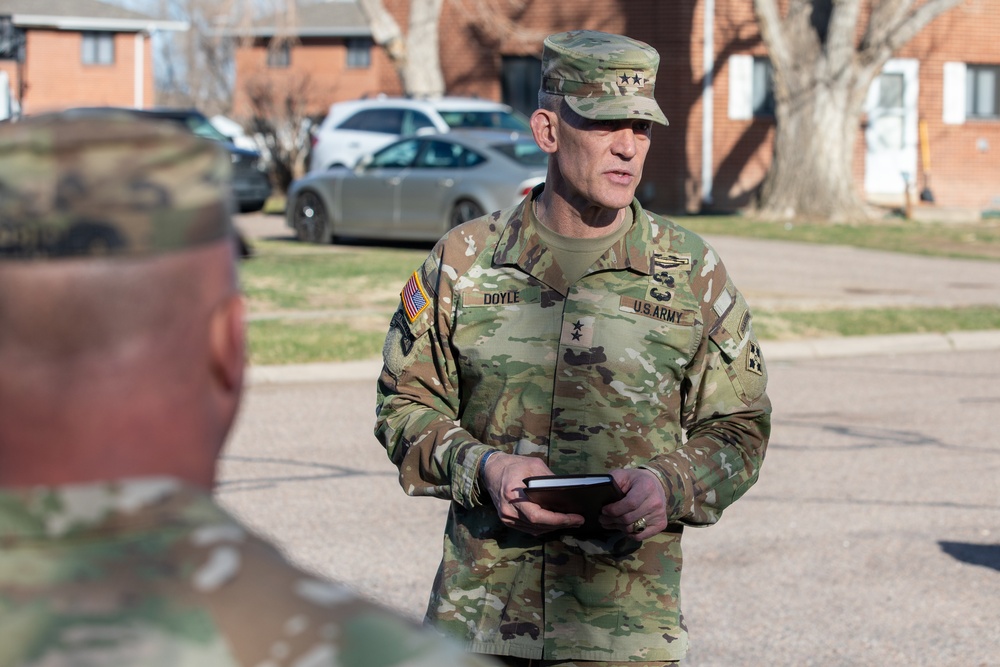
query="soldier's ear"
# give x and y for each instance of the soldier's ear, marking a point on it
(228, 344)
(545, 129)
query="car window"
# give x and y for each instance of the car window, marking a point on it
(397, 155)
(471, 158)
(386, 121)
(504, 120)
(203, 128)
(415, 120)
(443, 155)
(524, 152)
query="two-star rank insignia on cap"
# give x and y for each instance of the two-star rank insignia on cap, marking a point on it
(633, 79)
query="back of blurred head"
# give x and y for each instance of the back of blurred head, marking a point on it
(121, 323)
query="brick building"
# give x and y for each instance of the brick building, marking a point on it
(712, 85)
(62, 53)
(327, 56)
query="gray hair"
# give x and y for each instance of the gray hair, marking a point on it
(550, 101)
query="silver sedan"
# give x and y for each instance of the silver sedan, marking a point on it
(417, 188)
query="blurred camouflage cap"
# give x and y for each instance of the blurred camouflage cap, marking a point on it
(108, 183)
(602, 76)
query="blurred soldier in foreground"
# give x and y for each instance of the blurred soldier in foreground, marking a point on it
(122, 349)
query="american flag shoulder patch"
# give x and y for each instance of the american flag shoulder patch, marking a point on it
(414, 297)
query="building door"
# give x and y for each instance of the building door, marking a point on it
(520, 79)
(891, 133)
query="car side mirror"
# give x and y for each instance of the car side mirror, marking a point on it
(363, 163)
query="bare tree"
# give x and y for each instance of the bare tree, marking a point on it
(821, 77)
(415, 55)
(280, 122)
(497, 22)
(198, 63)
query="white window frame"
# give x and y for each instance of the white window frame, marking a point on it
(741, 87)
(280, 56)
(972, 90)
(954, 95)
(97, 47)
(359, 53)
(742, 68)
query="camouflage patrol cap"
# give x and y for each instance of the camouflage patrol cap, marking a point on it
(602, 76)
(107, 183)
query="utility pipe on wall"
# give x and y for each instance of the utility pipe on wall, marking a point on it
(707, 103)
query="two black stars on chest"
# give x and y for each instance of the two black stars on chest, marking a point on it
(577, 330)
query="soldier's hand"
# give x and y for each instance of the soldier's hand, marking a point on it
(644, 499)
(503, 478)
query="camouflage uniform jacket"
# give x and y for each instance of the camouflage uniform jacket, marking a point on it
(151, 572)
(648, 360)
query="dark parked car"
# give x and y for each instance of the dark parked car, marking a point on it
(251, 185)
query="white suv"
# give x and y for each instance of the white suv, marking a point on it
(354, 129)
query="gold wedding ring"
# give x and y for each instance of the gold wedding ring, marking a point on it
(639, 525)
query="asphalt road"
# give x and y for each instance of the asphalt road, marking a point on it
(872, 538)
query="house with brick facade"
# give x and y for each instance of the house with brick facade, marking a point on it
(56, 54)
(325, 55)
(932, 118)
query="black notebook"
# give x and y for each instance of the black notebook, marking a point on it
(574, 494)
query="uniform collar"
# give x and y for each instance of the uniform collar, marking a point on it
(520, 246)
(46, 512)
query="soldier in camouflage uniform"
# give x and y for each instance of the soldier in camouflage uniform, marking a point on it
(574, 333)
(122, 349)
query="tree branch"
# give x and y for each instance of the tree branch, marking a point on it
(769, 18)
(840, 37)
(385, 31)
(918, 20)
(894, 23)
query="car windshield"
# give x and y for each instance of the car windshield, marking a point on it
(505, 120)
(203, 128)
(524, 152)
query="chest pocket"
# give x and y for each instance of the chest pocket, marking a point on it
(504, 323)
(652, 339)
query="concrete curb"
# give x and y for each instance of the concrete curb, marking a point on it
(857, 346)
(368, 369)
(820, 348)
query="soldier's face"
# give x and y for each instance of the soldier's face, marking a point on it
(601, 160)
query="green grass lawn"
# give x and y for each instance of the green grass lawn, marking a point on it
(333, 303)
(972, 241)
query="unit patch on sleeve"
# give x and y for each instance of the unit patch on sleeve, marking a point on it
(414, 297)
(755, 364)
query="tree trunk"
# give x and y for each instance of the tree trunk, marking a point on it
(821, 77)
(416, 57)
(422, 75)
(811, 173)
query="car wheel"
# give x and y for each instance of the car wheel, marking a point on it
(464, 210)
(311, 222)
